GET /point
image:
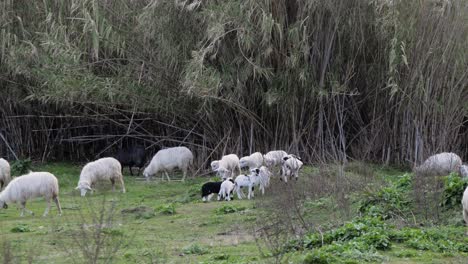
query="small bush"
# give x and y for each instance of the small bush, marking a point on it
(20, 167)
(167, 209)
(21, 228)
(454, 186)
(319, 257)
(229, 209)
(195, 249)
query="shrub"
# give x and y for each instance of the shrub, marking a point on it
(454, 186)
(195, 249)
(229, 209)
(167, 209)
(20, 167)
(21, 228)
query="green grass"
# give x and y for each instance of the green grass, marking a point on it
(161, 222)
(148, 232)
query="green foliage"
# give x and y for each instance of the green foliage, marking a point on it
(167, 209)
(20, 167)
(195, 249)
(21, 228)
(388, 201)
(454, 186)
(229, 209)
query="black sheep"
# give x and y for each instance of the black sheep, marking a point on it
(210, 188)
(132, 157)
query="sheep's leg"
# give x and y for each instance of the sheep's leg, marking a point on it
(167, 176)
(122, 183)
(46, 212)
(23, 209)
(185, 174)
(57, 203)
(239, 195)
(130, 169)
(113, 184)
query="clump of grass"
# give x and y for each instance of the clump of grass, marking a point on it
(195, 249)
(21, 228)
(229, 209)
(167, 209)
(140, 212)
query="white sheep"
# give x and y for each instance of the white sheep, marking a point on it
(4, 173)
(465, 206)
(291, 166)
(249, 181)
(255, 160)
(440, 164)
(464, 171)
(226, 166)
(265, 176)
(227, 187)
(101, 169)
(274, 158)
(168, 159)
(32, 185)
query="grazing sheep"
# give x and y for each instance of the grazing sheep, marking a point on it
(255, 160)
(208, 189)
(226, 189)
(101, 169)
(464, 171)
(32, 185)
(226, 166)
(440, 164)
(168, 159)
(4, 173)
(274, 158)
(465, 206)
(249, 181)
(133, 156)
(291, 166)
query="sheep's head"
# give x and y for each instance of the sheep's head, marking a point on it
(146, 173)
(269, 162)
(223, 172)
(83, 187)
(244, 162)
(3, 205)
(255, 172)
(215, 165)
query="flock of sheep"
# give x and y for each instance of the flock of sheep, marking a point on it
(45, 184)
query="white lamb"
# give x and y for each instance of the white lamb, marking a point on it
(101, 169)
(168, 159)
(32, 185)
(274, 158)
(465, 206)
(265, 176)
(255, 160)
(4, 173)
(249, 181)
(226, 166)
(227, 187)
(440, 164)
(464, 171)
(291, 166)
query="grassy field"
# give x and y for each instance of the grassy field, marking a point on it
(161, 222)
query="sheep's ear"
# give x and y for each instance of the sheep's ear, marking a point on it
(285, 158)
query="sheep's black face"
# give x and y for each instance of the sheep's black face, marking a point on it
(257, 171)
(5, 205)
